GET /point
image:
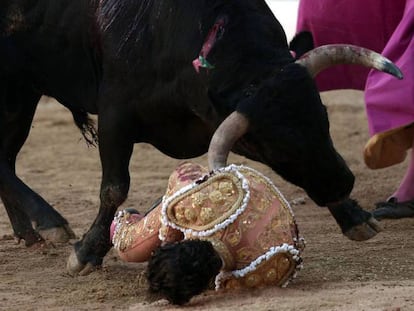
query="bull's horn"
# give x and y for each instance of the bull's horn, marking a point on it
(326, 56)
(226, 135)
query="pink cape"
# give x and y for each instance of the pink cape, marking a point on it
(367, 23)
(390, 102)
(388, 28)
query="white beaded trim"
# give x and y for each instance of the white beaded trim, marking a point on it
(223, 275)
(161, 231)
(194, 233)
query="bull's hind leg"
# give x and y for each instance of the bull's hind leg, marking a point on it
(115, 147)
(23, 205)
(21, 224)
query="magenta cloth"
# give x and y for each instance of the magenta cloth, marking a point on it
(390, 102)
(367, 23)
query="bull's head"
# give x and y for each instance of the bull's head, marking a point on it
(283, 123)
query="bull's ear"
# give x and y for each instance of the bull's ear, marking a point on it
(301, 43)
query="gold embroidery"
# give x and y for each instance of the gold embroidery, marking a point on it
(207, 215)
(233, 238)
(276, 223)
(253, 280)
(179, 213)
(270, 276)
(198, 199)
(282, 265)
(276, 271)
(221, 193)
(249, 220)
(226, 188)
(125, 232)
(245, 256)
(216, 197)
(264, 204)
(150, 225)
(190, 214)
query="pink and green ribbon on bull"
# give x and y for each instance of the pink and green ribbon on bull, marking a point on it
(201, 61)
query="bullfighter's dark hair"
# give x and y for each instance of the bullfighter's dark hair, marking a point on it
(179, 271)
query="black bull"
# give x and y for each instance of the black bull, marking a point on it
(130, 62)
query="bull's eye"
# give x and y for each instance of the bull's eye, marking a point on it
(248, 93)
(250, 90)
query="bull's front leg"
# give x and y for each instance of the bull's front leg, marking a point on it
(356, 223)
(333, 189)
(115, 148)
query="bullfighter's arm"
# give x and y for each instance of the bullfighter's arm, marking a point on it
(135, 237)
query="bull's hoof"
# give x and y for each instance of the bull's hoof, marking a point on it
(393, 209)
(58, 234)
(40, 245)
(75, 267)
(364, 231)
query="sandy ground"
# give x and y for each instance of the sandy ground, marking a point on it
(338, 274)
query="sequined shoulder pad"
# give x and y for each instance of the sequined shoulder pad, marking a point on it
(203, 206)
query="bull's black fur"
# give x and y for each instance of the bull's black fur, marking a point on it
(301, 43)
(129, 62)
(182, 270)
